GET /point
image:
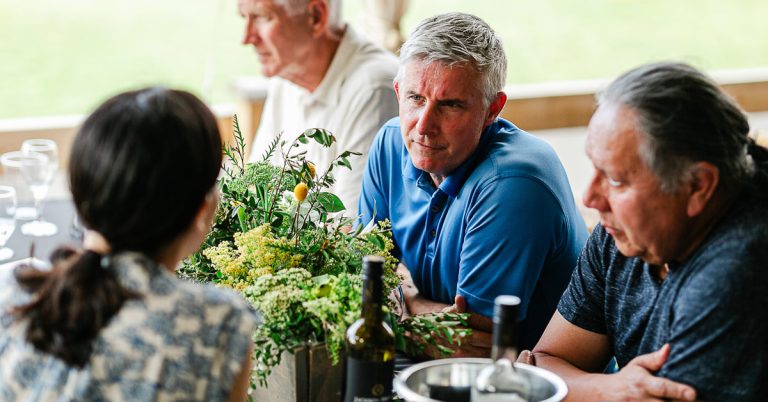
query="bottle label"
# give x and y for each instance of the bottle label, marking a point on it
(369, 381)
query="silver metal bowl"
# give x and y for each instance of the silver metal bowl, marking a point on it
(450, 380)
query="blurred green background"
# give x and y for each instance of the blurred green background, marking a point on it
(64, 57)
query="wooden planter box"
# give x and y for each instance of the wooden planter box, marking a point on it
(306, 375)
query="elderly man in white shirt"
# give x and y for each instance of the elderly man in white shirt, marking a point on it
(323, 74)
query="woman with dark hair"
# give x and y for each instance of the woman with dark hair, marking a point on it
(112, 322)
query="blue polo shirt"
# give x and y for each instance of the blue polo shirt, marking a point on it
(504, 222)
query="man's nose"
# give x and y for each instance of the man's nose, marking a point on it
(427, 120)
(593, 196)
(250, 36)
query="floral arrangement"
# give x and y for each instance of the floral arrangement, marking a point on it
(282, 240)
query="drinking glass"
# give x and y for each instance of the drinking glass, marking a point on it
(12, 177)
(36, 170)
(7, 219)
(43, 146)
(39, 175)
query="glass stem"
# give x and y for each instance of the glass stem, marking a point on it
(38, 209)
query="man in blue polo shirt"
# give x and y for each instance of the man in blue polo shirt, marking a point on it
(478, 207)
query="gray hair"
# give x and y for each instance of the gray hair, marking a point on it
(458, 38)
(684, 117)
(294, 7)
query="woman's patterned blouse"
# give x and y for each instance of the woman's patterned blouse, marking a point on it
(179, 341)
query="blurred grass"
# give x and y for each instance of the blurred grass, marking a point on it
(66, 57)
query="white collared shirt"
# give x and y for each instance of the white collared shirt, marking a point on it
(354, 99)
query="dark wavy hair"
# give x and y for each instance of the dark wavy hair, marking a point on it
(140, 169)
(685, 118)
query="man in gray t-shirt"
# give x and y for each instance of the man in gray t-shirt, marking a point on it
(674, 280)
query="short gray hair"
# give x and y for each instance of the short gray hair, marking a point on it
(684, 118)
(334, 10)
(459, 38)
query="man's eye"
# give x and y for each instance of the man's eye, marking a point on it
(613, 182)
(415, 98)
(259, 16)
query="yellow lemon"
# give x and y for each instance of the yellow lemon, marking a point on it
(300, 191)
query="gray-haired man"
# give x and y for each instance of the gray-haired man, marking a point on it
(478, 207)
(673, 281)
(323, 74)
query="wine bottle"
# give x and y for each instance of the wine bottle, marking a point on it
(500, 381)
(370, 343)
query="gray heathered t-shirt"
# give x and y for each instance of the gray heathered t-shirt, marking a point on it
(711, 309)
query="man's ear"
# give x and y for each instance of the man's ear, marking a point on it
(703, 182)
(397, 90)
(318, 16)
(495, 107)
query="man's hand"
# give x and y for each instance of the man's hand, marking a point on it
(475, 321)
(637, 381)
(414, 302)
(527, 357)
(477, 344)
(579, 356)
(459, 305)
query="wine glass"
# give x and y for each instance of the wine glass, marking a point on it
(12, 177)
(7, 219)
(46, 147)
(43, 146)
(39, 179)
(37, 173)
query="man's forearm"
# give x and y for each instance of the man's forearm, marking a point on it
(479, 341)
(635, 381)
(582, 385)
(415, 303)
(418, 304)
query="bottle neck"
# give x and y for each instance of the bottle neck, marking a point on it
(504, 340)
(372, 296)
(509, 352)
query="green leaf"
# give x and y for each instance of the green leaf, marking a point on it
(241, 218)
(376, 240)
(347, 154)
(330, 202)
(321, 136)
(344, 162)
(277, 220)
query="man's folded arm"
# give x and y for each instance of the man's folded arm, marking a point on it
(579, 356)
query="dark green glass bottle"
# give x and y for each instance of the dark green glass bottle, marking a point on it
(370, 342)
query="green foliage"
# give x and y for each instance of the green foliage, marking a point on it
(431, 329)
(282, 240)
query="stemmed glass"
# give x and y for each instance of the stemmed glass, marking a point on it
(38, 173)
(7, 219)
(46, 147)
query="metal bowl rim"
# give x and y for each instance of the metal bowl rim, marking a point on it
(406, 393)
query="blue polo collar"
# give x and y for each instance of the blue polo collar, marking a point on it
(455, 180)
